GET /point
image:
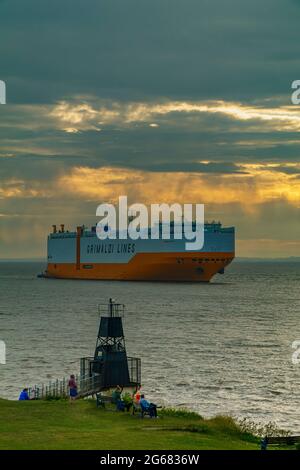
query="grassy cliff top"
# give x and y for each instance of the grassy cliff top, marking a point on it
(61, 425)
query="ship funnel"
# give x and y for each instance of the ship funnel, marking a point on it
(62, 228)
(54, 228)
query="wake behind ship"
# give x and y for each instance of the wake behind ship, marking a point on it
(82, 255)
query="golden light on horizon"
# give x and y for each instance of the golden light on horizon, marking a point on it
(257, 185)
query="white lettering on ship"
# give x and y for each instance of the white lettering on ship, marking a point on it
(108, 248)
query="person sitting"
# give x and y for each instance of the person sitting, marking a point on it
(148, 407)
(116, 398)
(137, 397)
(24, 394)
(120, 405)
(264, 443)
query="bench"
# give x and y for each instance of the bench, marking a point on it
(101, 400)
(284, 440)
(136, 408)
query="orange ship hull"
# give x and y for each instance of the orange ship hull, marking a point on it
(190, 267)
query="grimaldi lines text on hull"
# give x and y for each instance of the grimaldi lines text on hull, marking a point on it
(82, 255)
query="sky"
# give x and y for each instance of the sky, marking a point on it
(183, 101)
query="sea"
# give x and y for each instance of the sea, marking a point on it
(224, 348)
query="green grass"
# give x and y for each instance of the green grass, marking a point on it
(60, 425)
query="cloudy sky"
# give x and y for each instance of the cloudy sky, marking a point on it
(162, 100)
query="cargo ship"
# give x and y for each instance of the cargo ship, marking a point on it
(82, 255)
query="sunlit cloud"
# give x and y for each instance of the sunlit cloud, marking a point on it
(255, 185)
(71, 130)
(71, 116)
(6, 155)
(82, 116)
(87, 117)
(21, 189)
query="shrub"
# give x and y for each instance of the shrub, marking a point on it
(226, 424)
(180, 413)
(261, 429)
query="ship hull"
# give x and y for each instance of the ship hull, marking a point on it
(188, 267)
(82, 255)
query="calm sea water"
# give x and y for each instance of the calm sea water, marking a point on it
(221, 348)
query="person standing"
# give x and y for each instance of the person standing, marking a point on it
(72, 388)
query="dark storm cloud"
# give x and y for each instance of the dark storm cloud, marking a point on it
(288, 170)
(140, 49)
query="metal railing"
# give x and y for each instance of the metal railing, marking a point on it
(87, 383)
(117, 310)
(86, 386)
(134, 368)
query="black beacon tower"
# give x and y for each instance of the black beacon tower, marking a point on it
(110, 365)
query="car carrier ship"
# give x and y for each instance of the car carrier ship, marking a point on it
(82, 255)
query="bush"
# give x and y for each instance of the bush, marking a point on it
(127, 398)
(180, 413)
(226, 424)
(260, 429)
